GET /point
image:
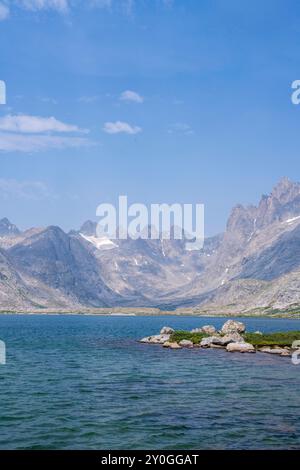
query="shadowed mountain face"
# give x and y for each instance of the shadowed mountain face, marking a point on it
(7, 229)
(253, 264)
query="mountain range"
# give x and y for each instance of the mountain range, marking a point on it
(253, 266)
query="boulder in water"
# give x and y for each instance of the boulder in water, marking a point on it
(240, 347)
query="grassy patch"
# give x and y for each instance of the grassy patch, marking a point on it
(194, 337)
(272, 339)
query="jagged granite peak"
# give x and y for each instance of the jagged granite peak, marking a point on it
(281, 204)
(88, 228)
(286, 190)
(242, 220)
(7, 228)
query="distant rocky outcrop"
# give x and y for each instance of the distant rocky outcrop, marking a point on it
(233, 338)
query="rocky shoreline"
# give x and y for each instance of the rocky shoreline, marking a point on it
(232, 337)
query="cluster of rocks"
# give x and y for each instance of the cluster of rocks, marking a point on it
(230, 337)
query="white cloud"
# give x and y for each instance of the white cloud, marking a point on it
(61, 6)
(120, 127)
(4, 12)
(35, 124)
(129, 95)
(33, 143)
(23, 189)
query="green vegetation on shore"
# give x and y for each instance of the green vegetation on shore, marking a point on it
(177, 336)
(285, 338)
(267, 339)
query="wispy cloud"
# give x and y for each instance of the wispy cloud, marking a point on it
(132, 96)
(10, 142)
(64, 6)
(61, 6)
(180, 128)
(119, 127)
(4, 12)
(88, 99)
(35, 124)
(12, 188)
(46, 99)
(101, 3)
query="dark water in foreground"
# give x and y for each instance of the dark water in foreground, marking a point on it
(85, 383)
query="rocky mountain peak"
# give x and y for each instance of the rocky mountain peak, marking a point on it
(7, 228)
(88, 228)
(285, 190)
(281, 204)
(242, 220)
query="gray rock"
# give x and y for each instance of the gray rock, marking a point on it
(208, 329)
(146, 339)
(156, 339)
(232, 338)
(185, 343)
(232, 326)
(207, 342)
(240, 347)
(166, 330)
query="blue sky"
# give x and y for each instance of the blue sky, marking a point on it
(164, 101)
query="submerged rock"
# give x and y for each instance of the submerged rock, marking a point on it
(166, 330)
(280, 351)
(232, 326)
(240, 347)
(171, 345)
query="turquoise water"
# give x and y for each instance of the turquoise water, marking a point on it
(83, 382)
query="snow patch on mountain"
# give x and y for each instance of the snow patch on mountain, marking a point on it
(101, 243)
